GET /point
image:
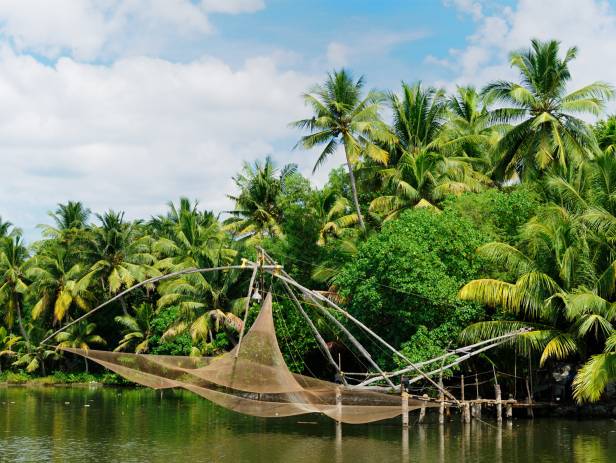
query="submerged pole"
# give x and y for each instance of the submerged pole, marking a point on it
(441, 408)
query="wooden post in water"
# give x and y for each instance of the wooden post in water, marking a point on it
(529, 400)
(509, 409)
(466, 412)
(422, 411)
(405, 409)
(441, 409)
(499, 404)
(338, 405)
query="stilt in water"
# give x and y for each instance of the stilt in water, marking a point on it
(441, 409)
(509, 408)
(499, 404)
(405, 409)
(422, 411)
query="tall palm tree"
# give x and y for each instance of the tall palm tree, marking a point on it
(420, 171)
(342, 116)
(13, 282)
(122, 254)
(70, 216)
(468, 131)
(548, 134)
(7, 229)
(57, 283)
(80, 336)
(257, 212)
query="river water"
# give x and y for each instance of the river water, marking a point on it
(138, 425)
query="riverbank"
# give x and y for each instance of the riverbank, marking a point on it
(60, 378)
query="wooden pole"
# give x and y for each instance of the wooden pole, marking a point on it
(466, 412)
(499, 406)
(462, 387)
(509, 408)
(422, 411)
(338, 405)
(405, 409)
(441, 409)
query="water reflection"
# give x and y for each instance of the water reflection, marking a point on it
(128, 425)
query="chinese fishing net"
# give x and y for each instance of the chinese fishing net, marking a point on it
(253, 379)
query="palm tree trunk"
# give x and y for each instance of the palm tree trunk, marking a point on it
(354, 191)
(124, 308)
(21, 322)
(86, 362)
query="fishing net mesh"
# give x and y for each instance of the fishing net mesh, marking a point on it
(253, 379)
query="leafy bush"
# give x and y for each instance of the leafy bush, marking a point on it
(408, 276)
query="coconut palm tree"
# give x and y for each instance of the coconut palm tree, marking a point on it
(547, 276)
(257, 212)
(79, 336)
(547, 134)
(137, 330)
(7, 342)
(32, 353)
(596, 374)
(343, 116)
(122, 254)
(57, 283)
(13, 282)
(605, 132)
(468, 132)
(420, 172)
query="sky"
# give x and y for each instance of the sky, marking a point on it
(128, 104)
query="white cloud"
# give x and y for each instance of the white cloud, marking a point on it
(367, 44)
(137, 133)
(337, 54)
(93, 29)
(232, 6)
(588, 24)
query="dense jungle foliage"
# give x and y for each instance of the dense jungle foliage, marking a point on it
(460, 217)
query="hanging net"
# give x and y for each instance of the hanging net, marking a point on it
(253, 379)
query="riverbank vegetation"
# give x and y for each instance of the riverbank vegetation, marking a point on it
(464, 215)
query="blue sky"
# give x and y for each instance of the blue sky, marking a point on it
(128, 104)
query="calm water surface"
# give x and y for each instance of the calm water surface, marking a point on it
(137, 425)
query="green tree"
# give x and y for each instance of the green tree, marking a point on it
(122, 254)
(57, 283)
(13, 282)
(257, 212)
(390, 282)
(342, 116)
(605, 132)
(138, 330)
(548, 134)
(80, 336)
(7, 342)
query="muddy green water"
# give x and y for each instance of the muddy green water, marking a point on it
(137, 425)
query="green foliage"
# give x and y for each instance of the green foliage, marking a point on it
(498, 214)
(390, 284)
